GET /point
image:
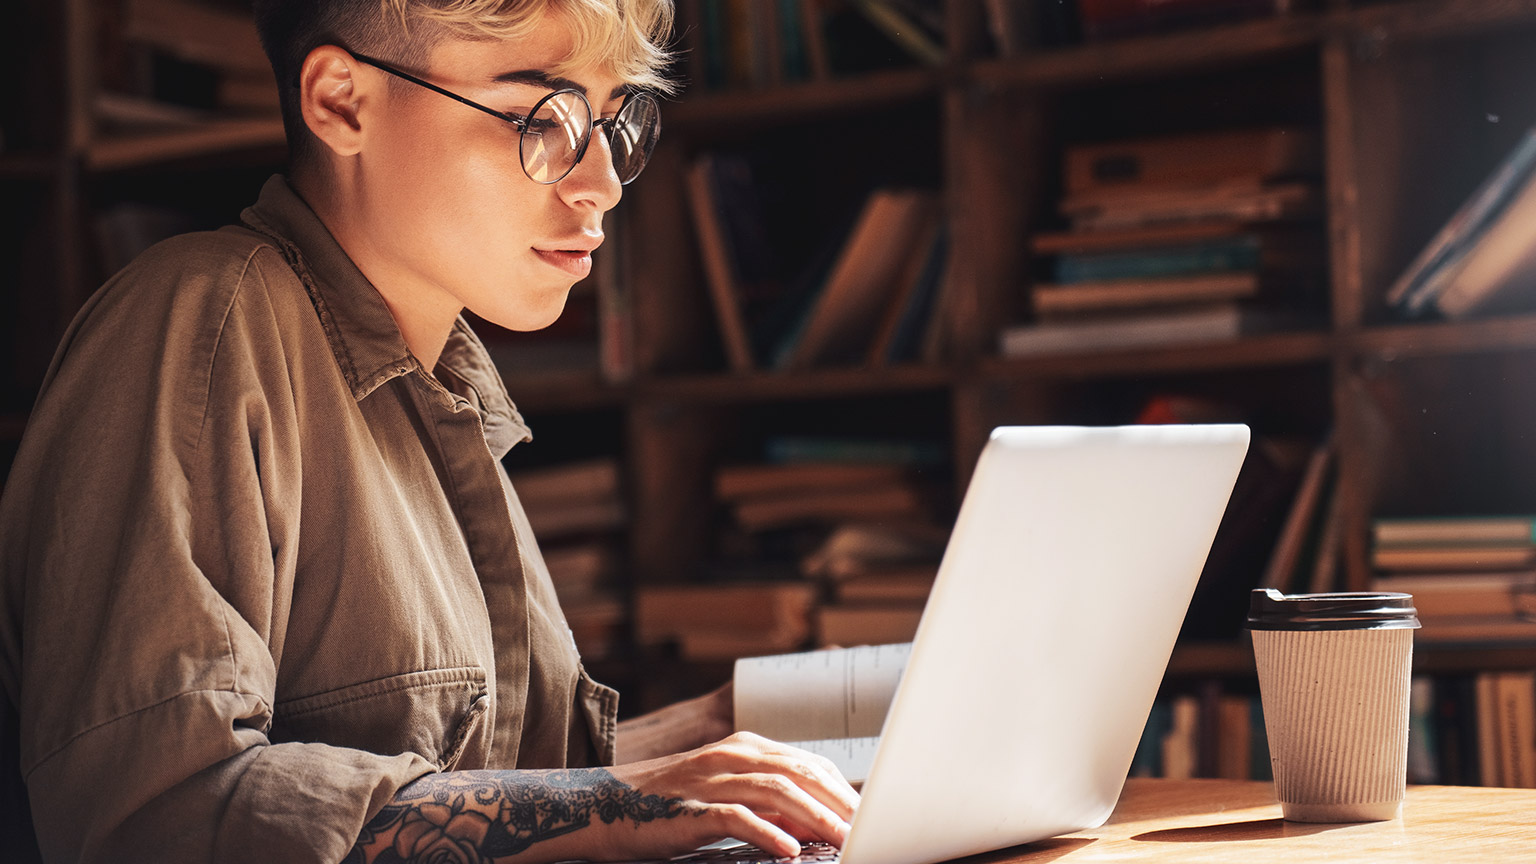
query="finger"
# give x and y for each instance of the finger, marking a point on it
(736, 820)
(813, 772)
(774, 795)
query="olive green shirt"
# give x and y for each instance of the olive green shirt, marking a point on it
(260, 569)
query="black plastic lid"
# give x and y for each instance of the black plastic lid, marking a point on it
(1268, 609)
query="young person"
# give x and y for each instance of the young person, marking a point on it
(267, 593)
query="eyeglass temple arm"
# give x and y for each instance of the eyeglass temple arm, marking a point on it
(520, 122)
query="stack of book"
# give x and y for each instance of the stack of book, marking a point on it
(726, 621)
(1473, 730)
(1473, 579)
(575, 511)
(1483, 260)
(1209, 734)
(870, 297)
(1179, 240)
(183, 63)
(740, 44)
(880, 575)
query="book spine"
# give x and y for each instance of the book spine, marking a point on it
(1242, 255)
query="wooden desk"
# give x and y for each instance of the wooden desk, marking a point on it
(1233, 822)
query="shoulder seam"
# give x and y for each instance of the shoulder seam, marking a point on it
(218, 342)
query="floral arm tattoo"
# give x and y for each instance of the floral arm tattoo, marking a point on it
(470, 817)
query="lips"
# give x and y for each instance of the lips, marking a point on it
(573, 257)
(575, 263)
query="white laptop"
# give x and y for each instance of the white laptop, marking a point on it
(1044, 640)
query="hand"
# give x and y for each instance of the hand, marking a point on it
(746, 786)
(676, 728)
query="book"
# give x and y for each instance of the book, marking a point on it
(904, 30)
(1238, 201)
(579, 570)
(864, 547)
(224, 39)
(1134, 238)
(1455, 530)
(1423, 741)
(1459, 557)
(887, 501)
(1425, 277)
(565, 518)
(1234, 730)
(724, 621)
(1499, 269)
(1441, 596)
(867, 623)
(897, 585)
(1263, 492)
(1240, 253)
(1301, 522)
(720, 267)
(1052, 302)
(1490, 761)
(737, 482)
(832, 702)
(840, 322)
(1192, 161)
(1179, 751)
(1478, 630)
(1515, 696)
(895, 337)
(1205, 323)
(585, 480)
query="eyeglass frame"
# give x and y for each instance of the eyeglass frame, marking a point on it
(521, 120)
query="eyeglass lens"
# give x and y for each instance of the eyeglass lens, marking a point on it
(557, 130)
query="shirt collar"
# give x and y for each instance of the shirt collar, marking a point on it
(367, 343)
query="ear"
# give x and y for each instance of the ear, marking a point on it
(331, 98)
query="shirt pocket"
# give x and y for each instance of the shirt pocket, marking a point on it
(433, 713)
(600, 704)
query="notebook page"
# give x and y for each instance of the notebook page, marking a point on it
(836, 693)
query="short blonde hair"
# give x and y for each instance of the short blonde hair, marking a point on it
(627, 37)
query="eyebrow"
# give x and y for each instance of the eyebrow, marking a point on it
(540, 78)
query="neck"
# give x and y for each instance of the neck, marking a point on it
(423, 311)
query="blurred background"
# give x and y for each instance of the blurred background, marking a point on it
(876, 229)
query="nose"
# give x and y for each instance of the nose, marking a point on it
(593, 182)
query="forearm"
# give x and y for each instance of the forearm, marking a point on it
(676, 728)
(506, 816)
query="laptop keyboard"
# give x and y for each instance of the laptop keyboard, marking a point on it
(810, 853)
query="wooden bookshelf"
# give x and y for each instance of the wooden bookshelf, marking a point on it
(800, 101)
(770, 387)
(1214, 47)
(1387, 85)
(215, 137)
(1514, 333)
(1277, 349)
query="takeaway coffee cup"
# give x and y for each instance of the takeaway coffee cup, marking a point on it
(1334, 674)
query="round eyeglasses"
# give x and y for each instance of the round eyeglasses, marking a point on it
(554, 136)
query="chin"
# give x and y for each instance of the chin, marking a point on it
(529, 314)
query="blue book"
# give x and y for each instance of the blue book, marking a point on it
(1148, 761)
(1439, 261)
(1237, 253)
(1260, 766)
